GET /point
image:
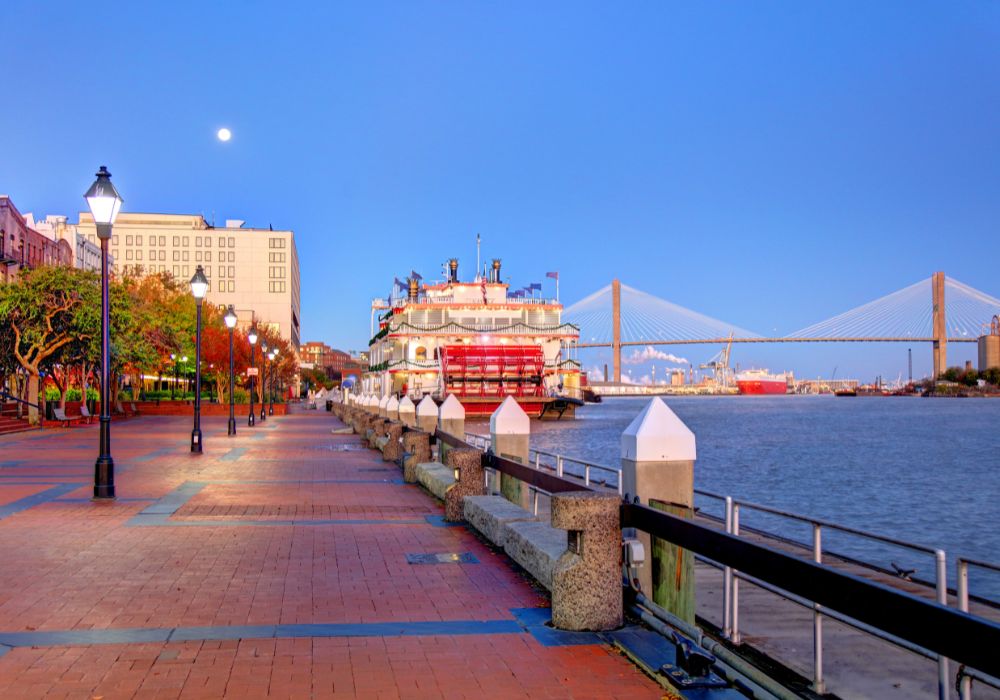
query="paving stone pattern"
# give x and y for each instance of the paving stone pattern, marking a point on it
(273, 565)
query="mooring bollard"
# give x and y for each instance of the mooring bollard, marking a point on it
(468, 465)
(392, 408)
(510, 431)
(451, 420)
(416, 449)
(658, 455)
(586, 581)
(393, 449)
(383, 404)
(427, 414)
(408, 412)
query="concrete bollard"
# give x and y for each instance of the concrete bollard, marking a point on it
(372, 404)
(416, 449)
(468, 464)
(382, 405)
(393, 449)
(658, 455)
(392, 408)
(586, 581)
(510, 430)
(427, 414)
(451, 420)
(407, 412)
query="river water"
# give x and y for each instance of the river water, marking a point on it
(921, 470)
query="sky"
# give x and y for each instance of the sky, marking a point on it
(770, 164)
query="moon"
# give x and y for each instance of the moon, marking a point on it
(224, 134)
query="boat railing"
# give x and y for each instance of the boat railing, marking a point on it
(730, 518)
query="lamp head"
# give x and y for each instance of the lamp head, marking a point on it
(252, 335)
(230, 317)
(199, 284)
(173, 356)
(184, 358)
(104, 202)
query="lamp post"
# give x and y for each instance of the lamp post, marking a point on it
(173, 356)
(252, 337)
(263, 382)
(199, 287)
(274, 355)
(105, 203)
(230, 319)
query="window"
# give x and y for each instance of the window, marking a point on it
(232, 242)
(197, 256)
(232, 271)
(208, 256)
(276, 287)
(222, 242)
(232, 256)
(114, 239)
(128, 240)
(163, 255)
(222, 271)
(186, 271)
(276, 243)
(163, 241)
(276, 257)
(186, 239)
(128, 254)
(232, 286)
(177, 255)
(177, 241)
(276, 272)
(138, 240)
(177, 270)
(197, 241)
(184, 256)
(138, 255)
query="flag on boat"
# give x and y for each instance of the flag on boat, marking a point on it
(534, 286)
(415, 276)
(399, 283)
(552, 275)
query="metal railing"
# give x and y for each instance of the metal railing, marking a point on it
(7, 396)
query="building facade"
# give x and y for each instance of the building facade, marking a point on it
(23, 247)
(255, 270)
(86, 254)
(336, 364)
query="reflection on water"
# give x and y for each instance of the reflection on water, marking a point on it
(924, 470)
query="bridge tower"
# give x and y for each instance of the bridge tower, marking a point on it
(616, 326)
(940, 327)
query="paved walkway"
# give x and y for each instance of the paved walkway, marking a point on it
(285, 562)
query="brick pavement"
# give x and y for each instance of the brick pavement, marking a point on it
(273, 565)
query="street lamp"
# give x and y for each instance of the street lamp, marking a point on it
(173, 357)
(199, 287)
(230, 319)
(252, 337)
(271, 356)
(263, 382)
(105, 203)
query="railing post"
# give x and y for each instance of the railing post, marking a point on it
(427, 414)
(965, 685)
(819, 685)
(944, 679)
(586, 581)
(416, 450)
(658, 454)
(510, 431)
(408, 412)
(734, 596)
(727, 579)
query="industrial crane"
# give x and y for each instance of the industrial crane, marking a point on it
(719, 364)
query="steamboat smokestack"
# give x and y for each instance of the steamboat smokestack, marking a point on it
(496, 270)
(453, 269)
(414, 290)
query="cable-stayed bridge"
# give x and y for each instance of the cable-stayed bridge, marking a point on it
(936, 310)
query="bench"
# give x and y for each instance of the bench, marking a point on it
(61, 416)
(491, 515)
(536, 546)
(435, 477)
(135, 411)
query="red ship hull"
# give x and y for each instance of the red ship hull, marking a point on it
(758, 387)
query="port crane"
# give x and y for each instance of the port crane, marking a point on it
(719, 364)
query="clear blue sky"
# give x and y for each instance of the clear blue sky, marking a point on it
(770, 164)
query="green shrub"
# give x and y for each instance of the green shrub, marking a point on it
(241, 396)
(51, 393)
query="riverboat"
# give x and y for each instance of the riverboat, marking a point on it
(476, 340)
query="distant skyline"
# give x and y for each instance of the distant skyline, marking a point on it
(769, 164)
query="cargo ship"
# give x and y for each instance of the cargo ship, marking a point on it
(761, 381)
(477, 340)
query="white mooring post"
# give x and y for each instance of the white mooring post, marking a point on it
(510, 433)
(392, 408)
(408, 412)
(452, 417)
(382, 404)
(658, 455)
(427, 415)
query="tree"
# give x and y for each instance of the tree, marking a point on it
(47, 309)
